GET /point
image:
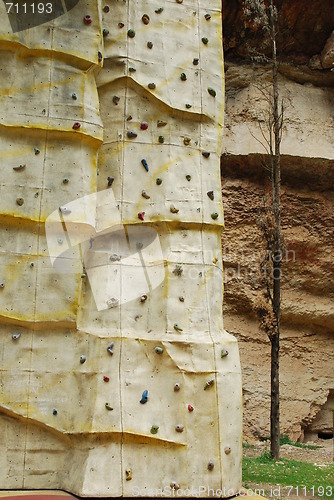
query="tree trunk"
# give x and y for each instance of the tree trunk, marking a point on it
(275, 340)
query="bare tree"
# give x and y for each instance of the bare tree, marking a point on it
(264, 14)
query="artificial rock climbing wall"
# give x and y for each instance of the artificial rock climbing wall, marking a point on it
(117, 377)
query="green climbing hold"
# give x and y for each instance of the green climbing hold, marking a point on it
(188, 106)
(161, 139)
(214, 216)
(37, 151)
(154, 429)
(131, 33)
(158, 181)
(158, 11)
(132, 69)
(105, 32)
(188, 177)
(205, 40)
(212, 91)
(183, 77)
(159, 350)
(108, 407)
(177, 328)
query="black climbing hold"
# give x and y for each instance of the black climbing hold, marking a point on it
(158, 11)
(205, 40)
(195, 61)
(110, 180)
(207, 17)
(206, 154)
(210, 195)
(106, 8)
(151, 86)
(188, 106)
(161, 139)
(99, 56)
(158, 181)
(183, 77)
(116, 99)
(149, 45)
(188, 177)
(37, 151)
(105, 32)
(212, 91)
(131, 134)
(20, 201)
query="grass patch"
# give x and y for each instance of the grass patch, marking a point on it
(286, 440)
(315, 479)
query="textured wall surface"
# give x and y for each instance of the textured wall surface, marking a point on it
(111, 132)
(307, 323)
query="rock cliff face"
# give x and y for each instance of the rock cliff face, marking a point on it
(307, 342)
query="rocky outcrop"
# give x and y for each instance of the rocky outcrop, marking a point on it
(307, 162)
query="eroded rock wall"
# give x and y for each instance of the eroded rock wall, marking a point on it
(307, 341)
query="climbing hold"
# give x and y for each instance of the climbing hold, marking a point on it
(207, 17)
(128, 474)
(159, 350)
(105, 32)
(20, 167)
(212, 91)
(32, 264)
(110, 180)
(151, 86)
(210, 195)
(108, 407)
(116, 99)
(106, 8)
(186, 141)
(188, 106)
(144, 125)
(121, 25)
(173, 209)
(227, 450)
(76, 125)
(84, 275)
(2, 284)
(145, 195)
(145, 164)
(20, 201)
(16, 336)
(206, 154)
(145, 19)
(66, 180)
(209, 383)
(131, 33)
(190, 408)
(139, 245)
(114, 257)
(161, 139)
(177, 387)
(161, 123)
(87, 20)
(158, 181)
(54, 411)
(174, 485)
(150, 45)
(141, 215)
(179, 1)
(183, 77)
(144, 397)
(106, 379)
(205, 40)
(223, 353)
(214, 216)
(211, 465)
(181, 298)
(178, 328)
(214, 260)
(132, 70)
(64, 210)
(178, 270)
(179, 428)
(82, 359)
(158, 11)
(110, 348)
(143, 298)
(60, 241)
(195, 61)
(131, 134)
(99, 56)
(188, 177)
(154, 429)
(37, 151)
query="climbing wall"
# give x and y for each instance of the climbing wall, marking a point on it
(117, 377)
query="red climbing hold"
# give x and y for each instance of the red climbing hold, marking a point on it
(144, 125)
(106, 379)
(141, 215)
(76, 126)
(87, 20)
(190, 408)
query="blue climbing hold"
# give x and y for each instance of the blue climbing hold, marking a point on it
(145, 164)
(144, 397)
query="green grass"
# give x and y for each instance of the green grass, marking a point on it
(286, 440)
(315, 479)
